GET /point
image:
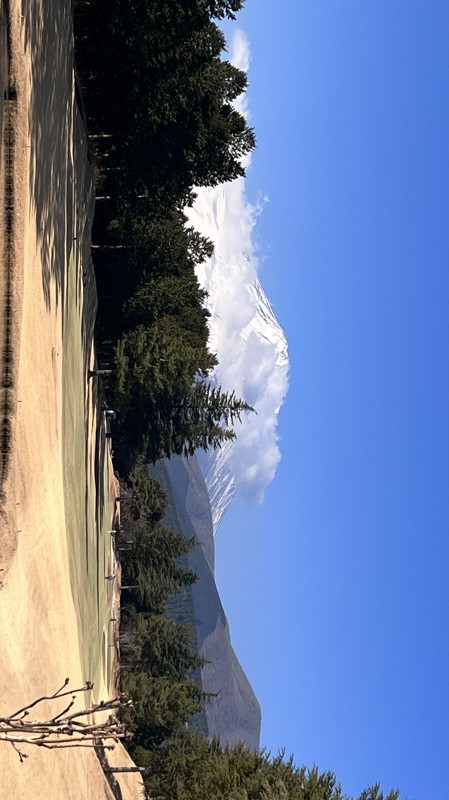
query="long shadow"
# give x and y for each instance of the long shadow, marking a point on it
(53, 117)
(61, 178)
(62, 203)
(113, 783)
(99, 489)
(100, 455)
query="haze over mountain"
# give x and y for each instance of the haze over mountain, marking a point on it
(233, 712)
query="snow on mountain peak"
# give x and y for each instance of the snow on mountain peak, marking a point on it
(249, 342)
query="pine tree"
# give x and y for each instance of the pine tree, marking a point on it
(155, 566)
(192, 768)
(164, 409)
(175, 296)
(160, 646)
(204, 418)
(145, 498)
(160, 706)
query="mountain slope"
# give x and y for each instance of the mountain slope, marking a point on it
(234, 713)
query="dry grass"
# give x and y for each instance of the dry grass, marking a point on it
(58, 495)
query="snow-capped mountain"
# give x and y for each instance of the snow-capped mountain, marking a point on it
(249, 342)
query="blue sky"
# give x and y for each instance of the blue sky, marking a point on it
(336, 588)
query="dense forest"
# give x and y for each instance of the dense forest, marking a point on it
(159, 103)
(158, 99)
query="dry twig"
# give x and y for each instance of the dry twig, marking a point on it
(64, 729)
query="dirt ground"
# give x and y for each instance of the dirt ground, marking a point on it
(56, 501)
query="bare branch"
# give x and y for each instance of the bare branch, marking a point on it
(65, 730)
(57, 694)
(65, 709)
(21, 755)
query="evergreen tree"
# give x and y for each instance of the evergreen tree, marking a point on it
(165, 410)
(222, 8)
(159, 646)
(148, 69)
(145, 498)
(203, 418)
(160, 706)
(192, 768)
(176, 297)
(154, 566)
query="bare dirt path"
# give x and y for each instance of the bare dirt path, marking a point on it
(53, 551)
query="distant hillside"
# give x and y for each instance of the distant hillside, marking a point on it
(234, 714)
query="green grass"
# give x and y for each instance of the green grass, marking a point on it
(88, 511)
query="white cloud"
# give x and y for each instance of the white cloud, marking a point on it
(240, 57)
(249, 343)
(240, 51)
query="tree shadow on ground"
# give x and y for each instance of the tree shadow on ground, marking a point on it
(61, 179)
(62, 199)
(112, 781)
(61, 204)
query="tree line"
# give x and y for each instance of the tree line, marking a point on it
(159, 102)
(159, 656)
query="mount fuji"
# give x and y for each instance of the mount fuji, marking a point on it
(249, 342)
